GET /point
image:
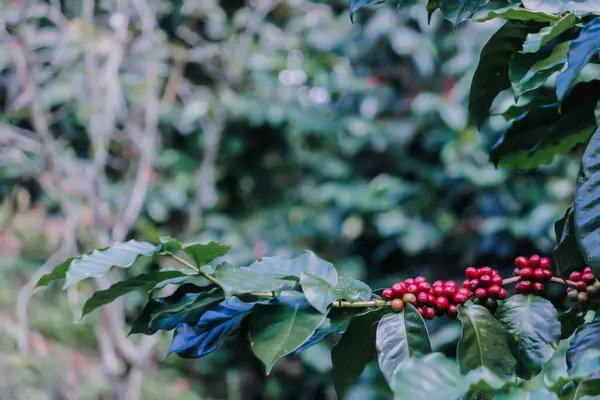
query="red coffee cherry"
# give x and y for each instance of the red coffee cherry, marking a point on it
(485, 271)
(387, 294)
(481, 293)
(538, 274)
(544, 262)
(465, 291)
(398, 290)
(421, 311)
(461, 298)
(485, 280)
(452, 283)
(397, 305)
(409, 281)
(472, 273)
(547, 274)
(575, 276)
(424, 286)
(473, 284)
(587, 270)
(437, 283)
(523, 287)
(497, 280)
(502, 294)
(534, 261)
(526, 273)
(431, 300)
(538, 287)
(588, 278)
(449, 291)
(438, 291)
(466, 283)
(422, 298)
(442, 303)
(581, 286)
(452, 311)
(420, 279)
(412, 289)
(494, 290)
(521, 262)
(428, 313)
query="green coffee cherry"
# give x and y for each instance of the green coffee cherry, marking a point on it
(572, 295)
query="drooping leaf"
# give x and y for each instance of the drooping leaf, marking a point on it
(354, 351)
(457, 11)
(281, 327)
(432, 5)
(529, 101)
(483, 343)
(202, 254)
(521, 14)
(401, 336)
(581, 51)
(351, 289)
(356, 5)
(532, 324)
(530, 71)
(199, 339)
(238, 280)
(491, 75)
(433, 377)
(586, 338)
(535, 41)
(570, 320)
(588, 390)
(586, 209)
(319, 293)
(103, 297)
(579, 7)
(58, 272)
(187, 304)
(566, 256)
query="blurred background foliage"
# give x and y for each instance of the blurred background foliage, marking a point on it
(269, 125)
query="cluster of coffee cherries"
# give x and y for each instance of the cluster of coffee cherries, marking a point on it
(439, 298)
(587, 287)
(533, 272)
(486, 283)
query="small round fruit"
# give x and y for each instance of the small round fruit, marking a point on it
(473, 284)
(466, 292)
(437, 283)
(428, 313)
(442, 303)
(592, 291)
(521, 262)
(485, 271)
(460, 298)
(523, 287)
(526, 273)
(572, 295)
(420, 279)
(502, 294)
(397, 305)
(494, 290)
(582, 297)
(449, 291)
(490, 304)
(575, 276)
(544, 262)
(387, 294)
(422, 298)
(497, 280)
(534, 261)
(412, 289)
(478, 301)
(424, 286)
(409, 281)
(398, 290)
(538, 274)
(495, 273)
(547, 274)
(481, 293)
(485, 280)
(452, 311)
(538, 287)
(409, 298)
(472, 273)
(588, 278)
(517, 272)
(452, 284)
(431, 300)
(466, 284)
(587, 270)
(421, 311)
(438, 291)
(581, 286)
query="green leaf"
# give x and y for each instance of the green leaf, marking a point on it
(58, 272)
(103, 297)
(238, 280)
(457, 11)
(580, 52)
(588, 390)
(202, 254)
(529, 101)
(432, 5)
(586, 338)
(530, 71)
(491, 75)
(535, 41)
(532, 323)
(356, 5)
(187, 304)
(482, 379)
(401, 336)
(483, 343)
(354, 351)
(319, 293)
(522, 14)
(570, 320)
(279, 328)
(433, 377)
(518, 394)
(566, 256)
(586, 207)
(352, 290)
(578, 7)
(309, 262)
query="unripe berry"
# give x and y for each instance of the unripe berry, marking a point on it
(485, 280)
(592, 291)
(452, 283)
(521, 262)
(409, 281)
(409, 298)
(588, 278)
(481, 293)
(422, 298)
(472, 273)
(544, 262)
(491, 304)
(398, 290)
(473, 284)
(502, 294)
(526, 273)
(397, 305)
(587, 270)
(437, 283)
(461, 298)
(547, 274)
(538, 287)
(449, 291)
(538, 274)
(387, 294)
(575, 276)
(452, 311)
(442, 303)
(534, 261)
(517, 272)
(420, 279)
(485, 271)
(494, 290)
(572, 295)
(428, 313)
(497, 280)
(412, 289)
(581, 286)
(582, 297)
(424, 286)
(438, 291)
(421, 311)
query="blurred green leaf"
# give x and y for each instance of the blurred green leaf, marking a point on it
(535, 41)
(521, 14)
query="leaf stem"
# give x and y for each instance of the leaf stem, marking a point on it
(192, 267)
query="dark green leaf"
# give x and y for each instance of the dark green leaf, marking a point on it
(59, 272)
(521, 14)
(187, 304)
(401, 336)
(279, 328)
(491, 75)
(566, 256)
(586, 207)
(457, 11)
(588, 390)
(356, 5)
(238, 280)
(586, 338)
(529, 101)
(570, 320)
(354, 351)
(432, 5)
(580, 52)
(319, 293)
(121, 288)
(530, 71)
(578, 7)
(352, 290)
(202, 254)
(532, 324)
(535, 41)
(483, 343)
(482, 379)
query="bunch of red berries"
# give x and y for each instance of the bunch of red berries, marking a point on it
(587, 287)
(487, 285)
(533, 272)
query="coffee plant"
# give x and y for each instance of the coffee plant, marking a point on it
(546, 54)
